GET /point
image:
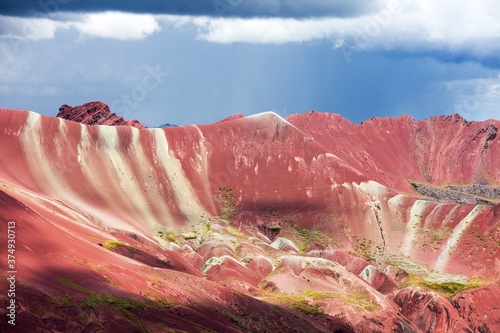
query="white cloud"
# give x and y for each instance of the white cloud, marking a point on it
(117, 25)
(265, 31)
(476, 99)
(114, 25)
(458, 27)
(28, 28)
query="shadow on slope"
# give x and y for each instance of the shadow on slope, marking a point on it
(75, 301)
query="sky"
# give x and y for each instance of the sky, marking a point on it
(199, 61)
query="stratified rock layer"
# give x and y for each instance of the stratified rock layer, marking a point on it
(252, 224)
(392, 151)
(480, 307)
(95, 113)
(430, 312)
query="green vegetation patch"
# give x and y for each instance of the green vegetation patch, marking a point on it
(167, 235)
(227, 203)
(297, 302)
(229, 316)
(305, 238)
(365, 248)
(112, 244)
(232, 231)
(443, 287)
(71, 284)
(127, 307)
(359, 298)
(445, 284)
(309, 301)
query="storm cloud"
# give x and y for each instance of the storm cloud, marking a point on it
(236, 8)
(358, 58)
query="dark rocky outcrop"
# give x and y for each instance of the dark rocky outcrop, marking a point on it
(485, 191)
(95, 113)
(454, 194)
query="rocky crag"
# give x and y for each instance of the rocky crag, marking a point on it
(95, 113)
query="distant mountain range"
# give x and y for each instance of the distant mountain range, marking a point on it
(167, 125)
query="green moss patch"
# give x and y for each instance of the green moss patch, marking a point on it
(305, 238)
(297, 302)
(128, 308)
(167, 235)
(357, 298)
(227, 203)
(446, 288)
(112, 244)
(309, 302)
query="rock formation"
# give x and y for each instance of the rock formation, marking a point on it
(95, 113)
(252, 224)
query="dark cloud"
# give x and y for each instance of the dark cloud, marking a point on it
(239, 8)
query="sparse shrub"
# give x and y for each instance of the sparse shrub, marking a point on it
(359, 298)
(167, 234)
(112, 244)
(227, 203)
(304, 238)
(364, 247)
(297, 302)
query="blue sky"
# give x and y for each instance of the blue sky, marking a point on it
(190, 62)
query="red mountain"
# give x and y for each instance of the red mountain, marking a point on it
(393, 151)
(253, 224)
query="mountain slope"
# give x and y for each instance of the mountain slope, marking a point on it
(394, 151)
(282, 219)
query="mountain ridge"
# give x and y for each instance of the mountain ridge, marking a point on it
(251, 224)
(414, 151)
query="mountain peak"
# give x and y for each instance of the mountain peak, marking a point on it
(95, 113)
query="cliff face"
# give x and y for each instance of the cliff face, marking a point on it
(95, 113)
(252, 224)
